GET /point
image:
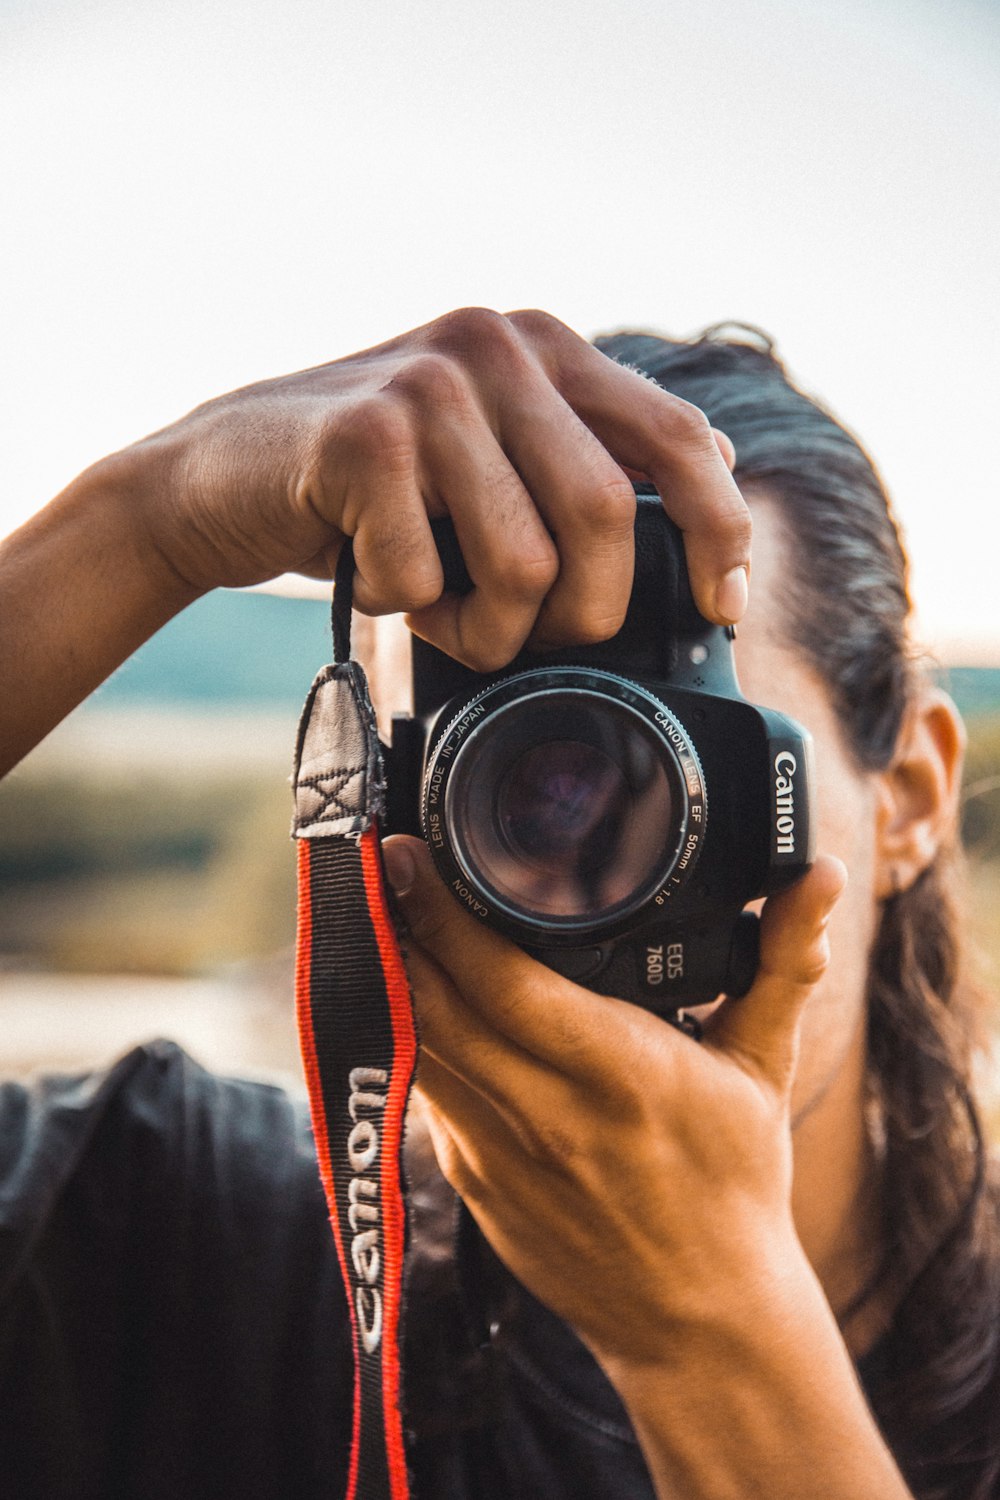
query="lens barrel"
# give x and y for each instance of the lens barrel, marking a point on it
(562, 803)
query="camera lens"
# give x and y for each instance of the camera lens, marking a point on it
(563, 807)
(558, 806)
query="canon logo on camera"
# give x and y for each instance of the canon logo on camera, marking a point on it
(785, 767)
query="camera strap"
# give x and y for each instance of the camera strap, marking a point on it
(357, 1036)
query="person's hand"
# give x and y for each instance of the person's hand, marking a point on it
(639, 1183)
(636, 1181)
(514, 426)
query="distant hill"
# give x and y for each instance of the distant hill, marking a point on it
(233, 649)
(228, 649)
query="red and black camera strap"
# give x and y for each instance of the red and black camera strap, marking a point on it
(357, 1036)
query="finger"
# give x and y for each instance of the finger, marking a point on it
(588, 505)
(725, 446)
(530, 1167)
(461, 1154)
(510, 556)
(463, 1040)
(470, 1116)
(647, 428)
(542, 512)
(520, 1207)
(496, 1140)
(762, 1028)
(380, 505)
(396, 564)
(554, 1020)
(454, 1168)
(723, 442)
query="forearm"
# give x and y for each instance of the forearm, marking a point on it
(762, 1400)
(81, 588)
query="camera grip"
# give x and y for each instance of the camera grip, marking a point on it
(670, 968)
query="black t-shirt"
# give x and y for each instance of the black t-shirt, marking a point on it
(172, 1322)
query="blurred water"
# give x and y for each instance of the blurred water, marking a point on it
(97, 741)
(68, 1022)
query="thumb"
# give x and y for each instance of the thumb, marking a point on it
(399, 855)
(762, 1028)
(548, 1017)
(433, 917)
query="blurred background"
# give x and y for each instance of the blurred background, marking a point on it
(196, 198)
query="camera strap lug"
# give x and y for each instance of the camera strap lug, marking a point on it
(690, 1025)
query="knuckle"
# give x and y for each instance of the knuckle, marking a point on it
(487, 655)
(688, 424)
(374, 427)
(813, 964)
(473, 332)
(728, 523)
(432, 379)
(739, 524)
(416, 590)
(801, 969)
(547, 1144)
(525, 575)
(608, 506)
(536, 326)
(396, 556)
(408, 589)
(589, 627)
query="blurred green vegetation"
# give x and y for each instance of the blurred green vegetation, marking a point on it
(981, 836)
(176, 874)
(981, 791)
(179, 864)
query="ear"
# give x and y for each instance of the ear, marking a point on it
(918, 792)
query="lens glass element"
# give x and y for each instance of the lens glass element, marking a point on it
(559, 805)
(564, 807)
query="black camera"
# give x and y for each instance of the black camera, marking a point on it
(613, 808)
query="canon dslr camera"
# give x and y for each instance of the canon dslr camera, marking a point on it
(613, 808)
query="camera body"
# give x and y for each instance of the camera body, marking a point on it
(613, 808)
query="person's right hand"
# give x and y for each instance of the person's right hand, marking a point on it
(514, 426)
(519, 430)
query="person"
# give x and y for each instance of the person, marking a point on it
(765, 1263)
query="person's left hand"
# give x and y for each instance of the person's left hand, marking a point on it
(636, 1181)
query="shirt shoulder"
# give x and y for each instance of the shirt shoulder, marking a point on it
(171, 1313)
(154, 1122)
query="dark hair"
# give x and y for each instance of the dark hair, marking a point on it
(935, 1393)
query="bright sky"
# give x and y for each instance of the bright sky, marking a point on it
(195, 196)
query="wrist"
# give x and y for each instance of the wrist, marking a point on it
(720, 1311)
(130, 494)
(763, 1387)
(81, 588)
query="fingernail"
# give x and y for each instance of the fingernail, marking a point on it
(732, 594)
(399, 867)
